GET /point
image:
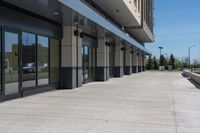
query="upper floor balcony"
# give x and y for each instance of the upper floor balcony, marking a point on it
(135, 16)
(124, 12)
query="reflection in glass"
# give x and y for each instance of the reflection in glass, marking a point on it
(54, 61)
(0, 64)
(28, 60)
(42, 60)
(86, 61)
(124, 59)
(89, 62)
(11, 63)
(92, 62)
(111, 59)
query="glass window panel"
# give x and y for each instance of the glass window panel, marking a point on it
(124, 59)
(86, 62)
(89, 62)
(11, 41)
(28, 60)
(111, 59)
(0, 62)
(94, 62)
(43, 60)
(54, 61)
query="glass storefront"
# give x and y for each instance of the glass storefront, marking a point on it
(89, 63)
(0, 61)
(11, 57)
(89, 48)
(92, 62)
(29, 53)
(43, 60)
(29, 60)
(111, 60)
(124, 60)
(85, 62)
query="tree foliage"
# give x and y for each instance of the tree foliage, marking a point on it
(155, 63)
(163, 61)
(150, 63)
(172, 61)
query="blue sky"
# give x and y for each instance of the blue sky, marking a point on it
(177, 26)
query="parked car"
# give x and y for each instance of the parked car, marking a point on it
(29, 68)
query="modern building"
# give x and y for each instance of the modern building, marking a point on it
(62, 44)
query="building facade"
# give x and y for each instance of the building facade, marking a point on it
(62, 44)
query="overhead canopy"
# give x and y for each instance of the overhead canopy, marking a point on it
(48, 7)
(86, 11)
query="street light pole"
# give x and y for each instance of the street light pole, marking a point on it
(160, 50)
(160, 68)
(189, 57)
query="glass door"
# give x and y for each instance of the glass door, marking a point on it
(0, 62)
(111, 60)
(43, 60)
(10, 61)
(85, 63)
(89, 63)
(124, 60)
(28, 60)
(92, 62)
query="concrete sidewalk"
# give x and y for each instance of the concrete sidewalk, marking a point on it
(151, 102)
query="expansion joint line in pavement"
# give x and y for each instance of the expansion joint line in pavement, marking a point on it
(174, 109)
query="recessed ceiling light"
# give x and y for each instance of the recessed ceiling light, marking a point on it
(56, 13)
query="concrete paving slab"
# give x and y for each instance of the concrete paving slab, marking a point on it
(150, 102)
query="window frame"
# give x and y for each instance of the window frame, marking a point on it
(15, 31)
(48, 60)
(1, 43)
(21, 60)
(36, 86)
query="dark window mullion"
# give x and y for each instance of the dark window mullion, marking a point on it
(1, 60)
(20, 62)
(49, 61)
(36, 59)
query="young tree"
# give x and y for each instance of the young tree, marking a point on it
(155, 63)
(150, 63)
(172, 61)
(163, 61)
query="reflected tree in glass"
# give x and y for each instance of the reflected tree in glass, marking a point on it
(43, 60)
